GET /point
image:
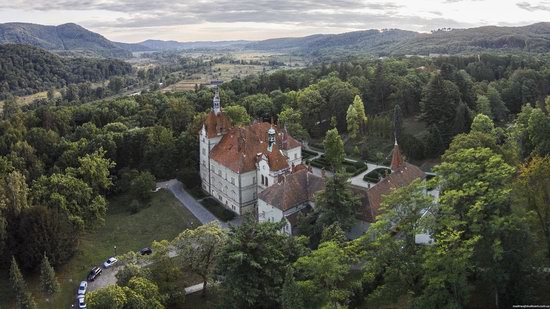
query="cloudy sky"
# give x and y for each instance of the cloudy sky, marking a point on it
(200, 20)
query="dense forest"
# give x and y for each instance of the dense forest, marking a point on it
(25, 70)
(484, 118)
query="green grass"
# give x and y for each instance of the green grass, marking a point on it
(217, 209)
(165, 218)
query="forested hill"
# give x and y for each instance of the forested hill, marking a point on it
(25, 69)
(66, 37)
(532, 38)
(369, 40)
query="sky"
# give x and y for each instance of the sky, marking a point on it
(218, 20)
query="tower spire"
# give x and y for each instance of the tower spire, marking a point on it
(396, 159)
(216, 105)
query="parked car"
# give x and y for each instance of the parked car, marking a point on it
(82, 287)
(81, 300)
(96, 271)
(146, 251)
(110, 262)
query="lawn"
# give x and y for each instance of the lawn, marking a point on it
(165, 218)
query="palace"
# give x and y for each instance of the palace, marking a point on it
(237, 163)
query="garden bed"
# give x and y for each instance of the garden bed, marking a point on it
(353, 168)
(377, 174)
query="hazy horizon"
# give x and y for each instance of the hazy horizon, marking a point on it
(223, 20)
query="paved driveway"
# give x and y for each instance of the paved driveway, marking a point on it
(188, 201)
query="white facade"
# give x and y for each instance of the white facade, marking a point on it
(238, 191)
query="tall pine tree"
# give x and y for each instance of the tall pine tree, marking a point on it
(48, 282)
(439, 104)
(23, 299)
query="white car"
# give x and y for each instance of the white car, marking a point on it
(82, 288)
(81, 300)
(110, 262)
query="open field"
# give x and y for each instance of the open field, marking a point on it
(163, 219)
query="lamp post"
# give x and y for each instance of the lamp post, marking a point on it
(115, 249)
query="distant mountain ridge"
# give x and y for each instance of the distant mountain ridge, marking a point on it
(65, 37)
(74, 38)
(175, 45)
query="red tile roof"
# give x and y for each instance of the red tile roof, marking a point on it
(295, 189)
(242, 147)
(401, 177)
(216, 125)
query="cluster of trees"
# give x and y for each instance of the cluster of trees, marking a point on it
(445, 93)
(26, 69)
(58, 164)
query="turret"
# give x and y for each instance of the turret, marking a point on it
(271, 138)
(216, 105)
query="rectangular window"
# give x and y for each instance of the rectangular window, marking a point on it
(253, 179)
(262, 180)
(295, 156)
(232, 180)
(204, 151)
(266, 182)
(254, 195)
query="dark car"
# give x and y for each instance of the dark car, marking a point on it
(96, 271)
(146, 251)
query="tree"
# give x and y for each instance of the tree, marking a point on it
(71, 196)
(310, 102)
(360, 109)
(334, 149)
(393, 260)
(42, 231)
(483, 124)
(532, 188)
(439, 103)
(475, 208)
(293, 295)
(258, 105)
(200, 249)
(254, 262)
(10, 108)
(352, 119)
(483, 106)
(143, 294)
(94, 170)
(397, 121)
(48, 282)
(324, 270)
(109, 297)
(337, 203)
(237, 115)
(538, 131)
(130, 271)
(498, 108)
(142, 185)
(291, 119)
(24, 299)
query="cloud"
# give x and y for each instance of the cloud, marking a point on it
(541, 6)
